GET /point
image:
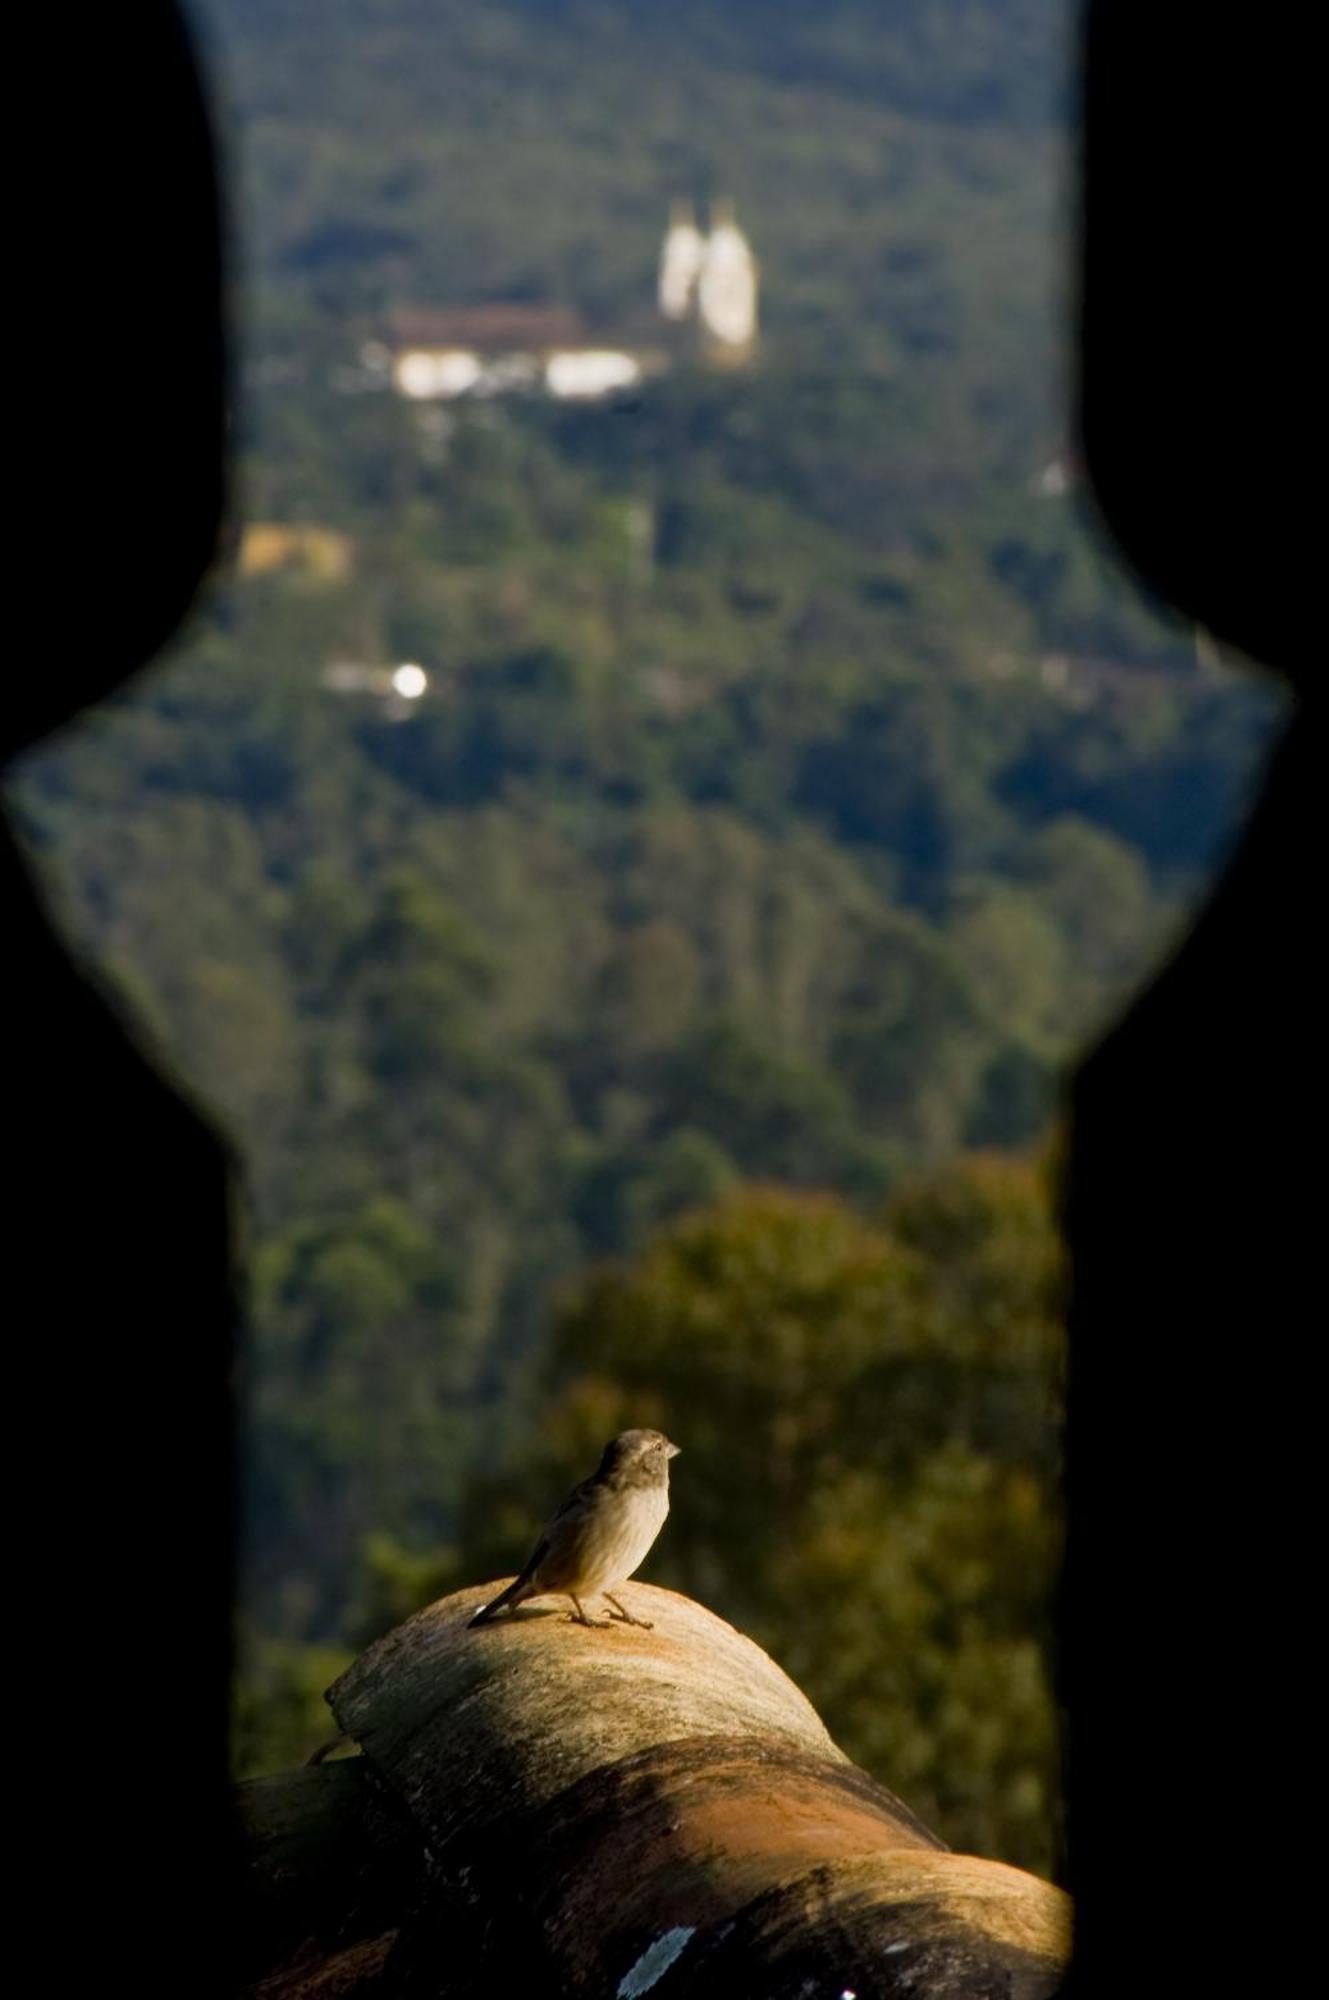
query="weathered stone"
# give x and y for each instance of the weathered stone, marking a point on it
(621, 1811)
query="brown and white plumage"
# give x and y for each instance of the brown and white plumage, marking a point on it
(603, 1531)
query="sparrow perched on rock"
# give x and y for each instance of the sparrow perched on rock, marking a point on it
(601, 1533)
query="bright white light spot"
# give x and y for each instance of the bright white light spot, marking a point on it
(849, 1994)
(410, 682)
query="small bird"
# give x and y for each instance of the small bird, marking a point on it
(601, 1533)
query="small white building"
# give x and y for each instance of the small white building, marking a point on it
(590, 372)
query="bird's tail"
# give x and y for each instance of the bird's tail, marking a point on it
(505, 1600)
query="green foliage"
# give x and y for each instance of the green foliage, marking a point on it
(278, 1714)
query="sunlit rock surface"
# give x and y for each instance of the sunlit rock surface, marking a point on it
(618, 1811)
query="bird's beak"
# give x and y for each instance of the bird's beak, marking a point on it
(672, 1450)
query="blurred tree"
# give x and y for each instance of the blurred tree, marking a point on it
(278, 1714)
(423, 976)
(1016, 1098)
(628, 1191)
(1014, 956)
(911, 1039)
(771, 1112)
(646, 992)
(359, 1390)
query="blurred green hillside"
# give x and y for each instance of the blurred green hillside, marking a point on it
(797, 787)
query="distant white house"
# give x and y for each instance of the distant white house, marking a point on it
(591, 371)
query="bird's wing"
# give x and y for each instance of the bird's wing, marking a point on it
(575, 1504)
(533, 1562)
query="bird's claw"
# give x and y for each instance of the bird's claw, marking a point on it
(618, 1611)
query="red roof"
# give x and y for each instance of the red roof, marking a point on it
(503, 327)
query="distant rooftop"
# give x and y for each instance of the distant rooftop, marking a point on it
(487, 328)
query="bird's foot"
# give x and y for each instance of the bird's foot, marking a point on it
(626, 1616)
(578, 1617)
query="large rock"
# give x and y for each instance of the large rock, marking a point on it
(555, 1810)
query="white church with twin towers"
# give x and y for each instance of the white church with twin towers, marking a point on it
(710, 279)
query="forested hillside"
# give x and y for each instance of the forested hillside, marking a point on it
(797, 786)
